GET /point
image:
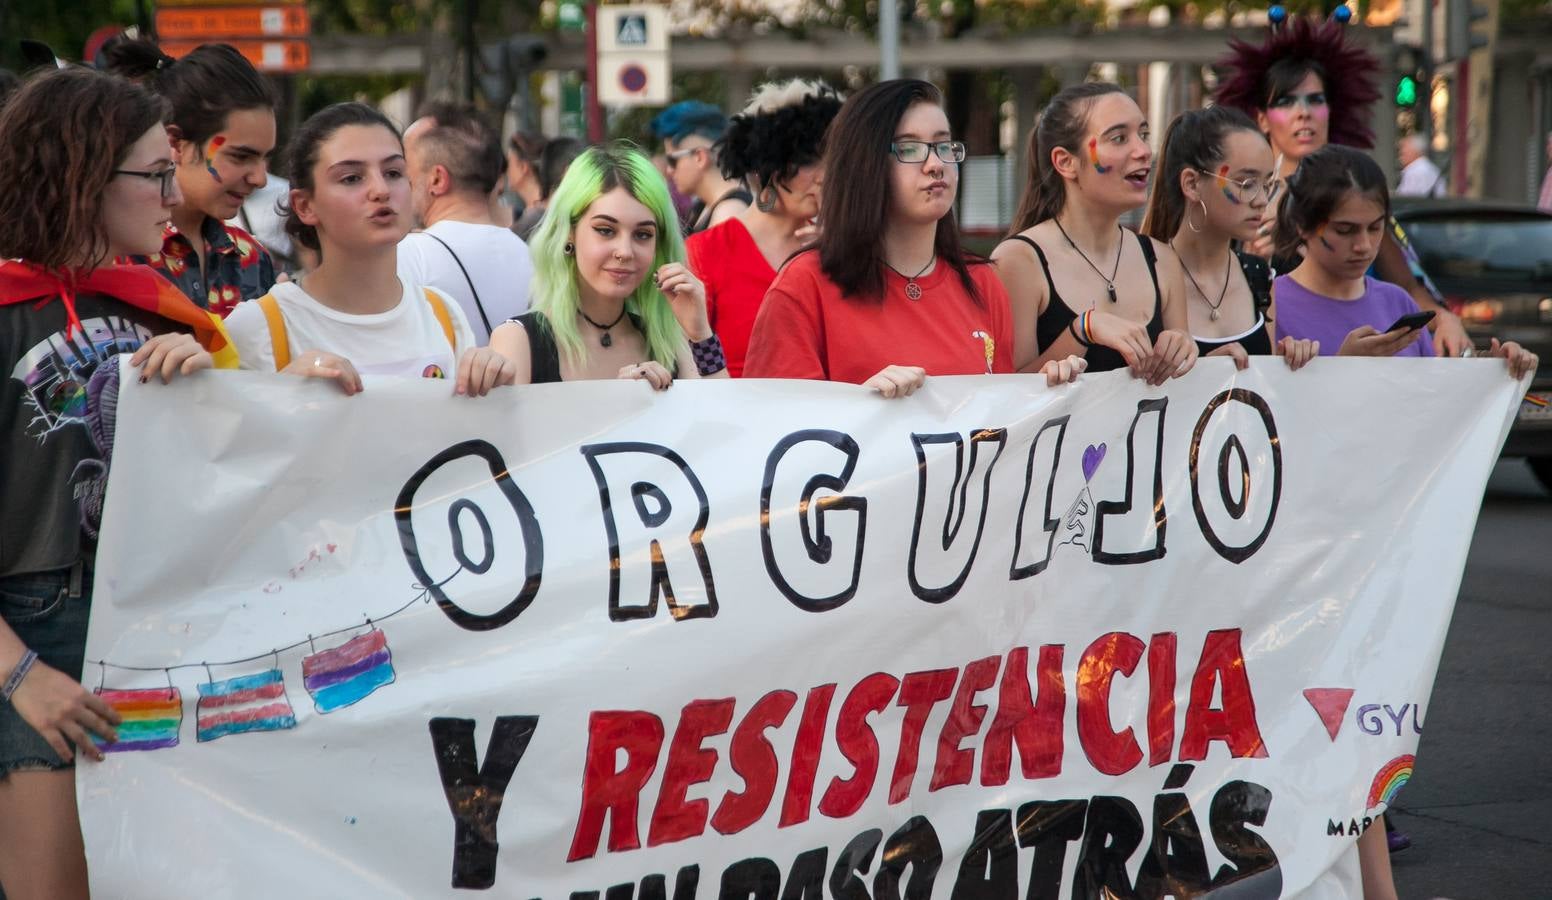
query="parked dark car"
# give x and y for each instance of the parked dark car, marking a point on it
(1493, 263)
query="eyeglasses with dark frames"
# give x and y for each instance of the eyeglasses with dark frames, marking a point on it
(915, 152)
(166, 176)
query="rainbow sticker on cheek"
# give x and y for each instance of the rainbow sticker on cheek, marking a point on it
(1228, 192)
(1094, 157)
(210, 155)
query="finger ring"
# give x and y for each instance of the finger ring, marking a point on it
(318, 362)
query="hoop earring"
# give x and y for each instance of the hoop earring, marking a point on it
(765, 201)
(1204, 217)
(568, 248)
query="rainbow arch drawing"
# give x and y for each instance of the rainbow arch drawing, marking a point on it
(1392, 777)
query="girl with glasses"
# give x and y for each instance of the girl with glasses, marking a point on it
(612, 297)
(1306, 86)
(888, 296)
(1216, 183)
(352, 315)
(775, 145)
(73, 169)
(1080, 283)
(223, 133)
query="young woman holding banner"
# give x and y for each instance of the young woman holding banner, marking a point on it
(88, 175)
(350, 202)
(1079, 282)
(888, 297)
(595, 313)
(1217, 179)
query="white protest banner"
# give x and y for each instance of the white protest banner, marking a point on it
(776, 640)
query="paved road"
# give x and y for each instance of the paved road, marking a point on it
(1479, 808)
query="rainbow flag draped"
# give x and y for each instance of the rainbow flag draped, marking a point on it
(243, 704)
(338, 677)
(152, 718)
(138, 286)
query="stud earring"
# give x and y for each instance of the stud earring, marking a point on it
(568, 249)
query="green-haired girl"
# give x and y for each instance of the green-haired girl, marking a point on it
(595, 312)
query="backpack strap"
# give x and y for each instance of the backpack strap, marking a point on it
(439, 309)
(277, 330)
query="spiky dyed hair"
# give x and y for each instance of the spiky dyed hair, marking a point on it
(1250, 75)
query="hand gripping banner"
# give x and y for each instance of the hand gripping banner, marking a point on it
(777, 640)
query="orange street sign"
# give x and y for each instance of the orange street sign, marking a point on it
(184, 4)
(283, 55)
(195, 24)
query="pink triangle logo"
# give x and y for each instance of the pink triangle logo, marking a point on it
(1331, 705)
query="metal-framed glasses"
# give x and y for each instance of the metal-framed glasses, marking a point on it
(915, 152)
(1247, 189)
(166, 176)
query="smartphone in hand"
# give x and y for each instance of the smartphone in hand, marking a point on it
(1412, 321)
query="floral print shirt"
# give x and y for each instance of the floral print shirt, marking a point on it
(236, 267)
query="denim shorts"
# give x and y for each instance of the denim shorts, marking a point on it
(48, 611)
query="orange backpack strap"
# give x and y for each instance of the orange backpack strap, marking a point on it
(439, 308)
(277, 330)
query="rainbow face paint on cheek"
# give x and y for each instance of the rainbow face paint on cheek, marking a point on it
(1227, 185)
(1320, 235)
(1094, 157)
(210, 155)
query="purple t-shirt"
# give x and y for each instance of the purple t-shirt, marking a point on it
(1306, 315)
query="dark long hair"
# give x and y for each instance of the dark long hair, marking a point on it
(1063, 123)
(1195, 140)
(1318, 185)
(318, 128)
(65, 131)
(851, 245)
(204, 87)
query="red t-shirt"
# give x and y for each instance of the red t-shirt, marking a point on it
(806, 329)
(730, 264)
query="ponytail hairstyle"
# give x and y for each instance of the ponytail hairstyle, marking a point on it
(318, 128)
(66, 130)
(1195, 140)
(851, 244)
(1320, 183)
(596, 172)
(1063, 123)
(203, 88)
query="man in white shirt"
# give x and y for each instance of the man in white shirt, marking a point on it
(1419, 176)
(455, 164)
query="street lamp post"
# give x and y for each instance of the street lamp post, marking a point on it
(888, 39)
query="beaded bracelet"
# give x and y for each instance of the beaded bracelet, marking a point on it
(709, 358)
(17, 674)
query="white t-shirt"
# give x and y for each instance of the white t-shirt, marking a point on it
(497, 261)
(405, 340)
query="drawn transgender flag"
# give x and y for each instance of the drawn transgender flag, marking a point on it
(152, 718)
(345, 674)
(239, 705)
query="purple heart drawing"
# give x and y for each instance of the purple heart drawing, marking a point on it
(1092, 457)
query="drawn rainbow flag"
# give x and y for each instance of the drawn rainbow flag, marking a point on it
(239, 705)
(338, 677)
(1392, 777)
(152, 718)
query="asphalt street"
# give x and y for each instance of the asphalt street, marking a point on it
(1478, 805)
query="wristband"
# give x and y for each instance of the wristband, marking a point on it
(1073, 329)
(709, 358)
(17, 674)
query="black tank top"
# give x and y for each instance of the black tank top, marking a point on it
(1058, 316)
(1256, 341)
(698, 211)
(543, 353)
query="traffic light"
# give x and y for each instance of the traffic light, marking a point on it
(1406, 90)
(1461, 36)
